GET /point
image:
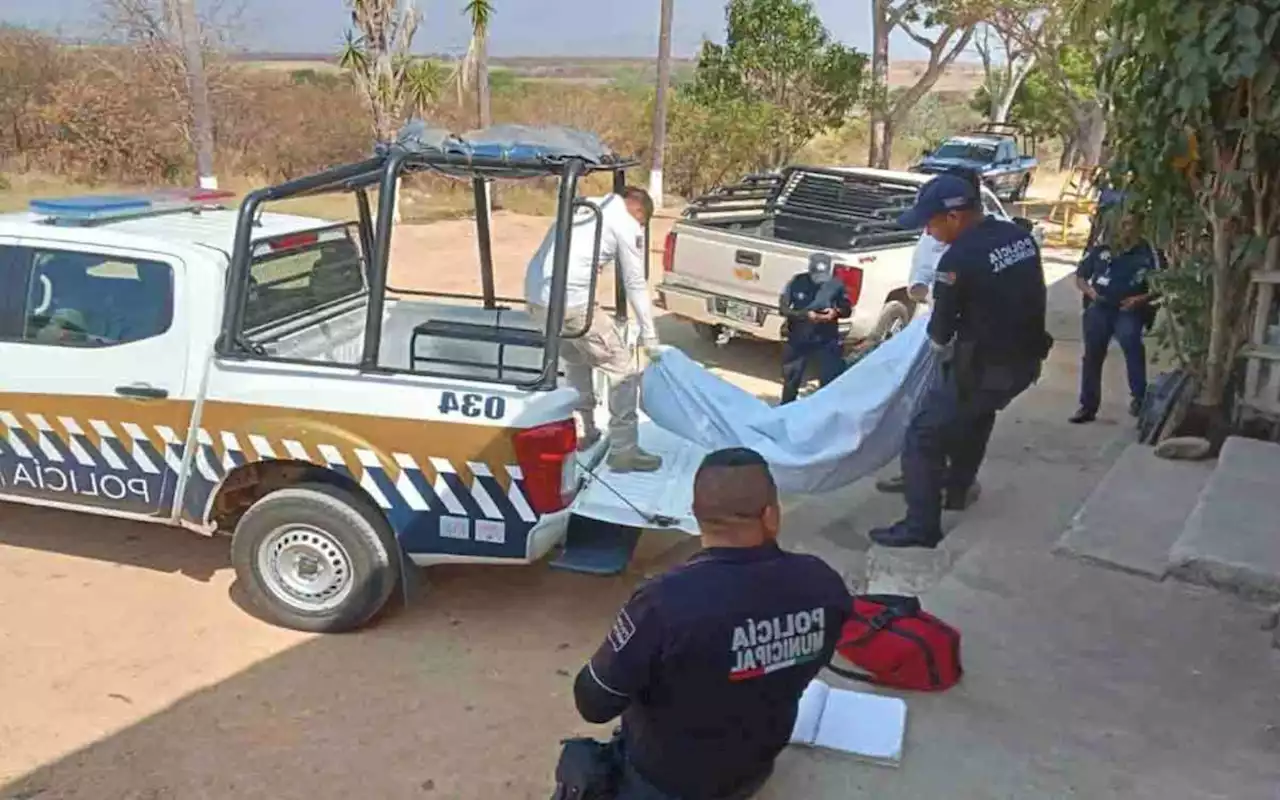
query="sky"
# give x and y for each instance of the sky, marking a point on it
(519, 28)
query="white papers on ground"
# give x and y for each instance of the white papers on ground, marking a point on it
(869, 726)
(832, 438)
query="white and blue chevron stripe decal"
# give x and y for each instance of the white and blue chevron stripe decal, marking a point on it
(130, 467)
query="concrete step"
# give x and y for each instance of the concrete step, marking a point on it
(1136, 513)
(1232, 538)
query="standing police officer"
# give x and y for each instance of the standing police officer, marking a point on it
(1112, 278)
(812, 303)
(989, 322)
(706, 663)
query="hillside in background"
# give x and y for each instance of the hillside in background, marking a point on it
(960, 77)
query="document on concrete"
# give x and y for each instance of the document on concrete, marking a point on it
(840, 434)
(870, 726)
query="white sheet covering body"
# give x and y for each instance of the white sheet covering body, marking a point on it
(832, 438)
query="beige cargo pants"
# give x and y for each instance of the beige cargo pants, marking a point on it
(603, 348)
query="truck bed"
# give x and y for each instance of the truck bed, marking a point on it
(339, 340)
(737, 248)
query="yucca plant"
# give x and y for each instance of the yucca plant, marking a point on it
(377, 55)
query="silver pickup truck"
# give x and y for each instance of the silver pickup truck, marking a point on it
(728, 259)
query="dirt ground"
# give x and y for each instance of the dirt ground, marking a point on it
(127, 669)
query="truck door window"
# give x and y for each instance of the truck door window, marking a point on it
(76, 299)
(301, 272)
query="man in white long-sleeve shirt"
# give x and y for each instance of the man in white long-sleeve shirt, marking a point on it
(603, 346)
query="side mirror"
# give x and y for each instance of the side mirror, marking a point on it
(1024, 223)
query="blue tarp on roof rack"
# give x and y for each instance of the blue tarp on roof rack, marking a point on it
(516, 145)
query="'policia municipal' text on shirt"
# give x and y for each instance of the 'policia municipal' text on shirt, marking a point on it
(719, 652)
(990, 292)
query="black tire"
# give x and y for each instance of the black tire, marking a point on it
(1024, 186)
(340, 529)
(895, 316)
(706, 331)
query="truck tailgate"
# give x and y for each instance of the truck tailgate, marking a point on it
(734, 264)
(646, 499)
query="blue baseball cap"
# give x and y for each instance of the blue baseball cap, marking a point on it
(942, 194)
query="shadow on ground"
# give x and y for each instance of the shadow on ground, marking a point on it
(151, 547)
(463, 694)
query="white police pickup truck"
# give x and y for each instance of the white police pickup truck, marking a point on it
(729, 257)
(168, 360)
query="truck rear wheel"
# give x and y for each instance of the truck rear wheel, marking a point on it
(895, 316)
(706, 331)
(315, 558)
(1024, 186)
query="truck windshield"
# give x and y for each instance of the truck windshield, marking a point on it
(969, 151)
(300, 272)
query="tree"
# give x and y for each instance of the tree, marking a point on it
(777, 53)
(424, 82)
(176, 43)
(659, 145)
(31, 64)
(1005, 65)
(955, 22)
(474, 70)
(1042, 105)
(1195, 144)
(1054, 32)
(377, 55)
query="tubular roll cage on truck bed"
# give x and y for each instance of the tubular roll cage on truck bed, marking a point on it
(1026, 142)
(816, 198)
(384, 172)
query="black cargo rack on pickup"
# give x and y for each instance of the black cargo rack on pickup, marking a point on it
(819, 206)
(1025, 141)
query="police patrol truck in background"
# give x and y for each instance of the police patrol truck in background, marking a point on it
(727, 260)
(168, 360)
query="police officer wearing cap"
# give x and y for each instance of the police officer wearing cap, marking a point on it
(812, 304)
(988, 324)
(1112, 279)
(706, 663)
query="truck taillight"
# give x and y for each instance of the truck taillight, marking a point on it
(294, 241)
(851, 277)
(543, 454)
(669, 252)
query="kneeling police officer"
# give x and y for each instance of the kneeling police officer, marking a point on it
(706, 663)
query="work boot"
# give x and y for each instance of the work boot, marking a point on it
(588, 439)
(633, 459)
(1083, 416)
(894, 485)
(899, 535)
(957, 500)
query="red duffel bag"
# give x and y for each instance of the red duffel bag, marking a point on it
(891, 641)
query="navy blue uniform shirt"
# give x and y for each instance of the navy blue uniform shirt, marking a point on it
(990, 293)
(1116, 276)
(714, 656)
(803, 295)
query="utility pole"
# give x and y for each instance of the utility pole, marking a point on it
(184, 12)
(660, 102)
